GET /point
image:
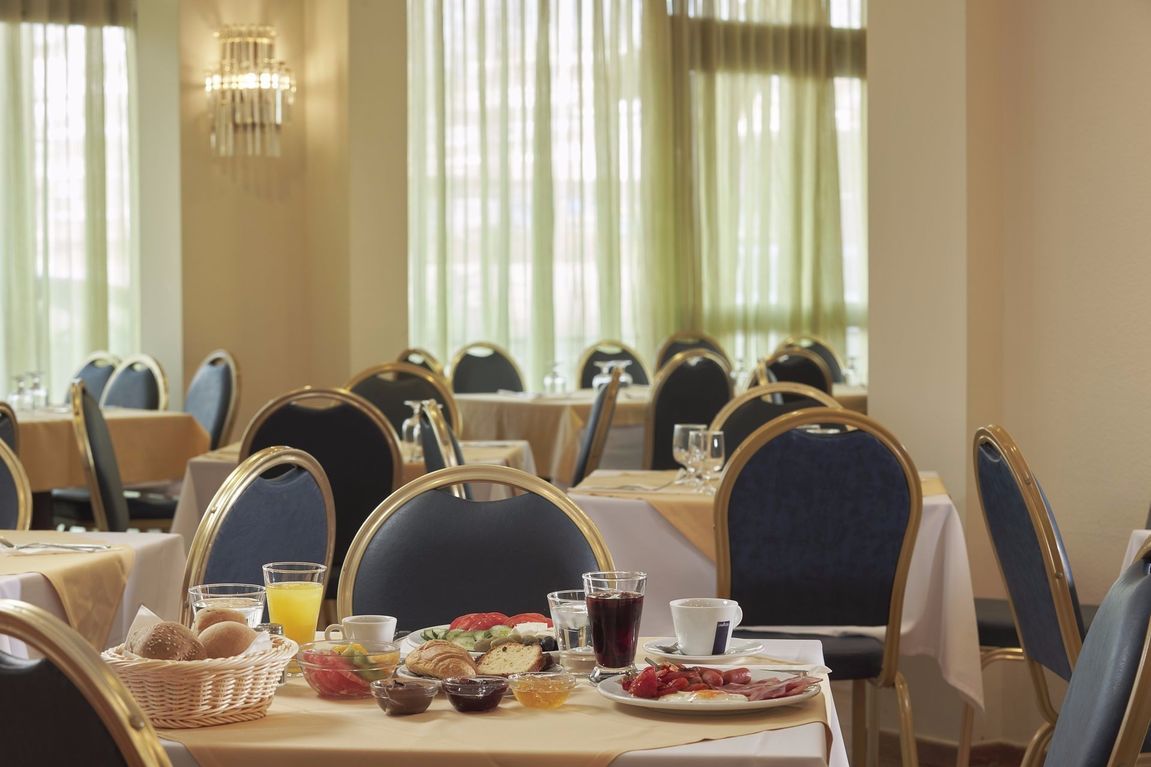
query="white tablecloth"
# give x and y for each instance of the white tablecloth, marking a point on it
(795, 747)
(938, 609)
(155, 580)
(1134, 543)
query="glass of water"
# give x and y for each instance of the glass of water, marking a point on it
(569, 618)
(245, 598)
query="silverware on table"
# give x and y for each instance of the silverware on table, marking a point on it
(7, 544)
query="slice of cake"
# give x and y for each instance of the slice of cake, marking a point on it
(511, 658)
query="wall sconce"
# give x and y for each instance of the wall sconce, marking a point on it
(250, 95)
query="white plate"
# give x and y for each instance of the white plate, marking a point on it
(737, 648)
(612, 689)
(415, 639)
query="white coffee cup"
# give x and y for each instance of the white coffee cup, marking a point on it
(703, 625)
(364, 628)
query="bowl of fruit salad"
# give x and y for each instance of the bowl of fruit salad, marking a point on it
(347, 669)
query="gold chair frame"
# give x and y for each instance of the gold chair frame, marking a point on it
(6, 411)
(316, 396)
(797, 342)
(598, 346)
(1057, 582)
(436, 365)
(23, 489)
(599, 436)
(443, 439)
(495, 349)
(102, 358)
(502, 475)
(889, 675)
(230, 493)
(148, 361)
(68, 651)
(767, 390)
(689, 335)
(414, 371)
(661, 378)
(762, 366)
(223, 356)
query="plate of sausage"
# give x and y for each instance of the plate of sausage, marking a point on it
(676, 688)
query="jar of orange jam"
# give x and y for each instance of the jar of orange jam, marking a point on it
(542, 690)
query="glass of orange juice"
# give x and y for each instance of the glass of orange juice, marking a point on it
(295, 591)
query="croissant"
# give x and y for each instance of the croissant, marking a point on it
(441, 659)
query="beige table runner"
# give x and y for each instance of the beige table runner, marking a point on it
(589, 730)
(90, 585)
(688, 512)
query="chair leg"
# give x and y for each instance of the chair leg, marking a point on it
(910, 752)
(859, 722)
(1037, 748)
(873, 711)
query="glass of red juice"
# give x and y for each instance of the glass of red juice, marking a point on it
(614, 607)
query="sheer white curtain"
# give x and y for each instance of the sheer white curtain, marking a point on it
(68, 244)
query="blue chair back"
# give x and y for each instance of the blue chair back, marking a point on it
(817, 527)
(348, 437)
(461, 550)
(105, 486)
(692, 388)
(604, 351)
(440, 447)
(139, 383)
(595, 433)
(9, 427)
(1107, 709)
(759, 405)
(800, 366)
(15, 492)
(95, 372)
(421, 358)
(212, 395)
(825, 352)
(390, 385)
(686, 341)
(483, 367)
(1030, 552)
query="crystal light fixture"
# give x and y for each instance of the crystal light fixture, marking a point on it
(250, 94)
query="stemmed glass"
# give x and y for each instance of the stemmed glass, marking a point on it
(680, 450)
(603, 377)
(410, 431)
(37, 394)
(706, 450)
(554, 381)
(19, 399)
(614, 608)
(625, 378)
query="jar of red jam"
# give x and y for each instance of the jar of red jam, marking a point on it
(472, 694)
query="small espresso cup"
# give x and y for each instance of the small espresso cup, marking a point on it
(364, 628)
(703, 625)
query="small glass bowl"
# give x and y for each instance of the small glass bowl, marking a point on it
(548, 689)
(345, 669)
(401, 697)
(471, 694)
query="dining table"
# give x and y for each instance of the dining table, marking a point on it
(98, 593)
(205, 474)
(667, 530)
(588, 730)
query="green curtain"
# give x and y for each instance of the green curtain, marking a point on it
(622, 169)
(68, 245)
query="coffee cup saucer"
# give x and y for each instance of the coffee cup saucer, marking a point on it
(666, 648)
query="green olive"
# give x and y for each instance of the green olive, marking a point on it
(483, 645)
(500, 641)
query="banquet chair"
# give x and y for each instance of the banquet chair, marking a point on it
(104, 502)
(213, 395)
(276, 506)
(421, 358)
(9, 427)
(796, 501)
(692, 388)
(68, 706)
(482, 367)
(820, 347)
(799, 366)
(743, 415)
(15, 492)
(1041, 589)
(1107, 709)
(602, 351)
(138, 382)
(95, 371)
(348, 437)
(595, 433)
(390, 385)
(428, 556)
(687, 340)
(441, 448)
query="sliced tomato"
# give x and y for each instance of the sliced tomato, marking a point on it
(478, 621)
(516, 620)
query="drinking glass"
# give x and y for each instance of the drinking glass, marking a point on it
(554, 381)
(37, 394)
(707, 451)
(603, 377)
(19, 397)
(410, 431)
(569, 616)
(680, 435)
(625, 378)
(294, 592)
(245, 598)
(614, 608)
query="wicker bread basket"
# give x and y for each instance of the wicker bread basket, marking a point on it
(200, 693)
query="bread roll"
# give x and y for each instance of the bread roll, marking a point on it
(512, 658)
(441, 659)
(210, 616)
(166, 641)
(225, 639)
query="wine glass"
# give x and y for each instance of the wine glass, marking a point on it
(37, 394)
(554, 381)
(625, 378)
(410, 431)
(603, 377)
(706, 449)
(19, 397)
(680, 436)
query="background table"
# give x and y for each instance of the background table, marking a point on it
(938, 608)
(206, 473)
(155, 579)
(795, 747)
